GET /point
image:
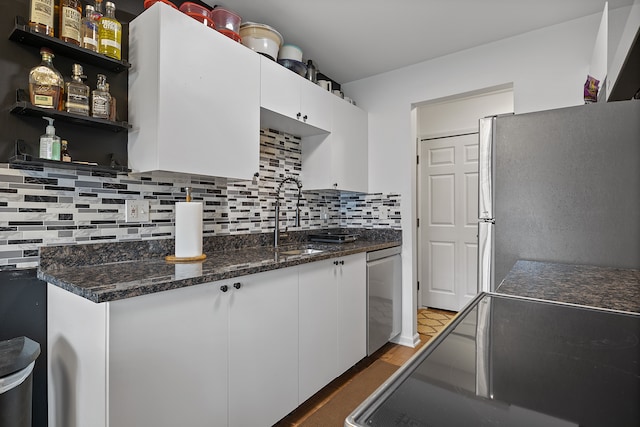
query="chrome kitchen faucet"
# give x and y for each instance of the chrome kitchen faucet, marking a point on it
(276, 230)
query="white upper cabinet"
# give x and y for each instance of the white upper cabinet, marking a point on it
(194, 98)
(338, 161)
(292, 104)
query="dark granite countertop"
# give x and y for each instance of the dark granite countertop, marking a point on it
(109, 272)
(604, 287)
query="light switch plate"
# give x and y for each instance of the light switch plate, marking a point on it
(136, 211)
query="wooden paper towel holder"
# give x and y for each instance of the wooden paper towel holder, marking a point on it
(173, 258)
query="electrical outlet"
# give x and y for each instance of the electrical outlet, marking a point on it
(136, 211)
(383, 212)
(323, 213)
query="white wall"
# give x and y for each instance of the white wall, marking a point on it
(547, 68)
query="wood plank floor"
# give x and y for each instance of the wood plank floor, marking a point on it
(430, 323)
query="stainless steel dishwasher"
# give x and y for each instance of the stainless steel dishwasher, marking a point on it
(384, 297)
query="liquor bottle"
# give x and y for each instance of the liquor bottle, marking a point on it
(98, 10)
(112, 109)
(64, 151)
(90, 29)
(77, 93)
(46, 84)
(110, 32)
(101, 99)
(41, 16)
(70, 21)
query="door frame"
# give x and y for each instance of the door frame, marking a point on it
(491, 107)
(419, 213)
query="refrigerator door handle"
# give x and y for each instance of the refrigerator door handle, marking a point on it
(485, 168)
(485, 256)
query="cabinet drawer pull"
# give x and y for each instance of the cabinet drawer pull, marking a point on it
(224, 288)
(237, 285)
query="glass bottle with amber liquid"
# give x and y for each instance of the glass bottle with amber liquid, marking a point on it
(70, 24)
(46, 84)
(64, 151)
(110, 32)
(76, 93)
(41, 16)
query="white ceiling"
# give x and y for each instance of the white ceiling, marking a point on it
(354, 39)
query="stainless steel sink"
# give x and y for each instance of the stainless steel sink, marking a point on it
(306, 251)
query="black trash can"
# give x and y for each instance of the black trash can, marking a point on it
(17, 358)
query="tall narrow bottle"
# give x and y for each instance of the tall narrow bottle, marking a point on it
(41, 15)
(89, 29)
(46, 84)
(101, 99)
(77, 93)
(70, 21)
(110, 33)
(64, 151)
(98, 10)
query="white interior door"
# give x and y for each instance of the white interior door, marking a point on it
(448, 220)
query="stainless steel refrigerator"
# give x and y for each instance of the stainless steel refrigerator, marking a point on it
(559, 186)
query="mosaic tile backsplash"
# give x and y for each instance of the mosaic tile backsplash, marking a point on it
(50, 206)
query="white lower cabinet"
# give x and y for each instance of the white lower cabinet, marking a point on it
(352, 311)
(238, 352)
(332, 320)
(263, 348)
(168, 358)
(318, 326)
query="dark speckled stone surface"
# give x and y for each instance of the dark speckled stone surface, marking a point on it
(109, 272)
(610, 288)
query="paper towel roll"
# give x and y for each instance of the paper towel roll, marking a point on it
(188, 270)
(188, 229)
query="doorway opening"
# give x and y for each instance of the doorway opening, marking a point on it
(447, 194)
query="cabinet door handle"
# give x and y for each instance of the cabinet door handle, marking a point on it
(298, 115)
(305, 118)
(341, 262)
(335, 262)
(224, 288)
(237, 285)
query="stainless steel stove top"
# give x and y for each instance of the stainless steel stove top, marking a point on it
(333, 237)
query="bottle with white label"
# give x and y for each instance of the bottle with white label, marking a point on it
(46, 85)
(41, 16)
(101, 99)
(110, 33)
(70, 21)
(90, 29)
(50, 143)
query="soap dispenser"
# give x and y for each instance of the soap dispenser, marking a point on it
(50, 143)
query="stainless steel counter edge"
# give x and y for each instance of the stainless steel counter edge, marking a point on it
(120, 280)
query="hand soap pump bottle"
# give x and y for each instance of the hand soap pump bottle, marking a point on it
(50, 143)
